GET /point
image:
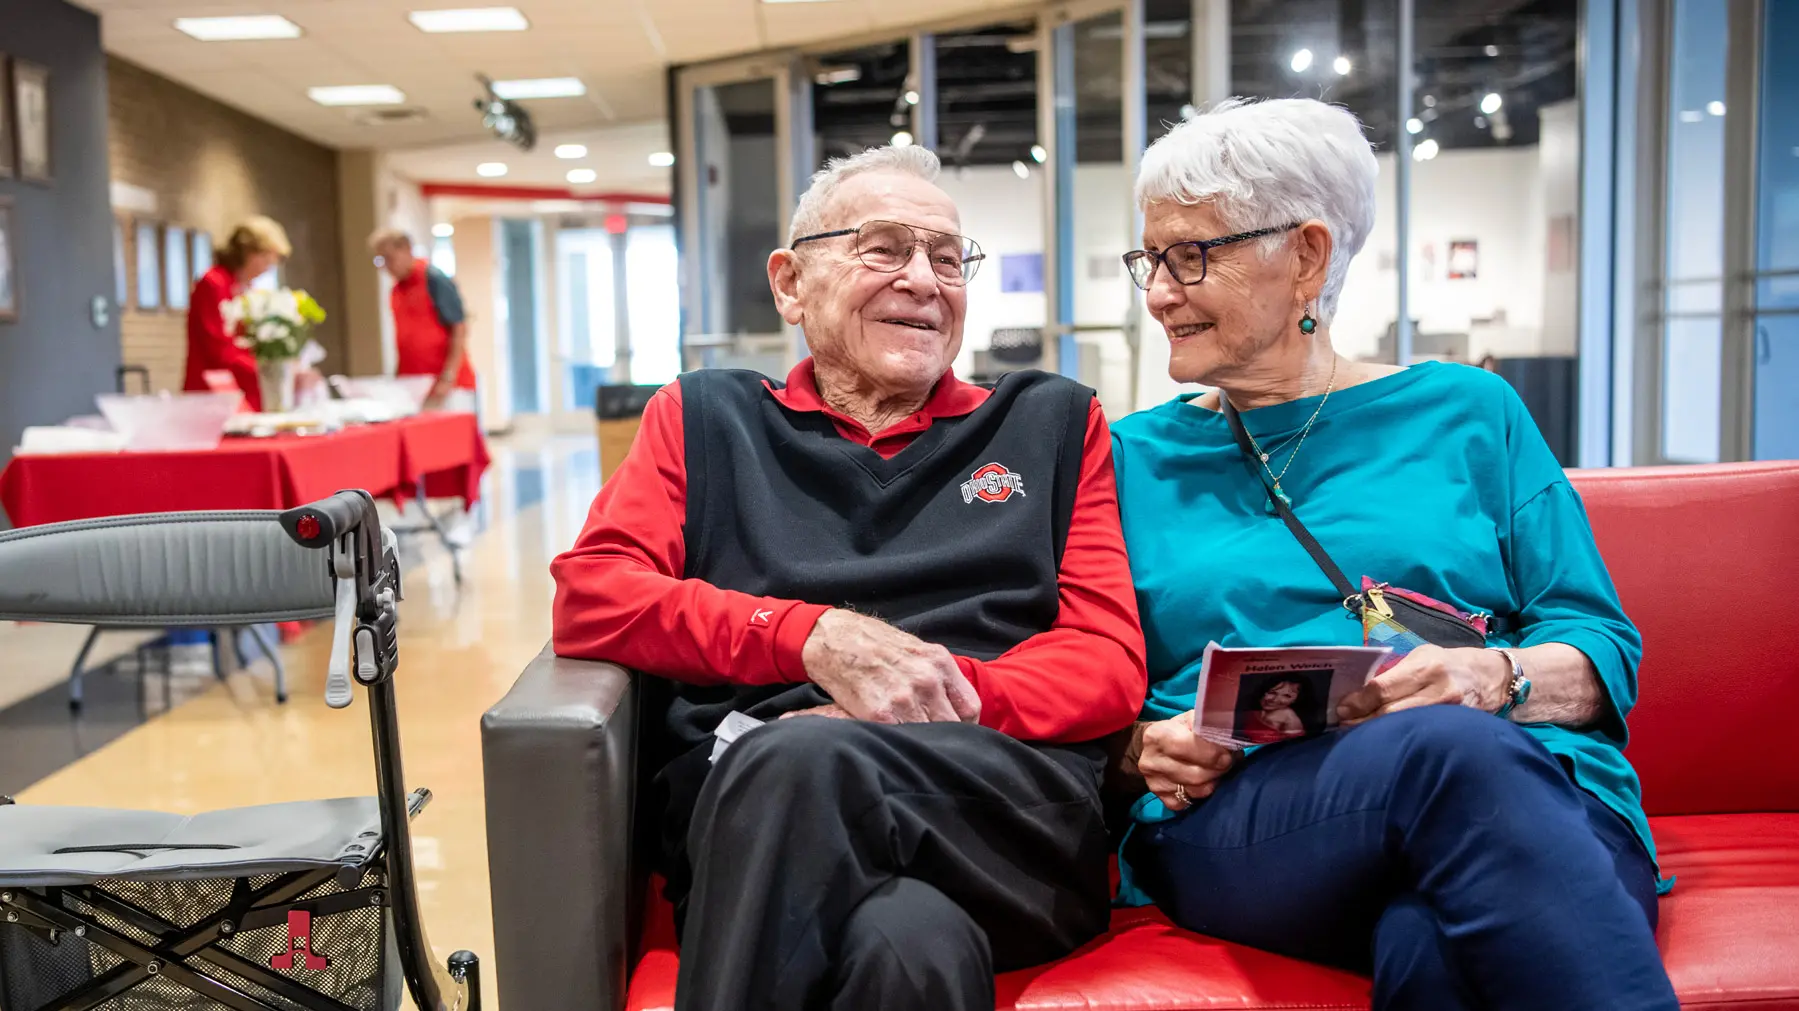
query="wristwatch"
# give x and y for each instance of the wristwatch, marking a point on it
(1518, 688)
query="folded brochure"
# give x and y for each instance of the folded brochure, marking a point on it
(1251, 696)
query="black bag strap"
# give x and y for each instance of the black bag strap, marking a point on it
(1344, 587)
(1352, 597)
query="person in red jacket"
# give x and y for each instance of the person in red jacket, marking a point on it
(255, 247)
(430, 326)
(917, 585)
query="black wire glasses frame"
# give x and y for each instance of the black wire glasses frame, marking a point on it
(1186, 261)
(886, 246)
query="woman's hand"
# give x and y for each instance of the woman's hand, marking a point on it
(1432, 676)
(1173, 756)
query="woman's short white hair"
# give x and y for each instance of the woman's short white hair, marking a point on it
(809, 216)
(1262, 164)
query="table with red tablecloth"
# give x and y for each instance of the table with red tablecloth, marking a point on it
(444, 452)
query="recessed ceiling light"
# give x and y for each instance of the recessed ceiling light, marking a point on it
(1301, 60)
(911, 98)
(357, 94)
(1491, 103)
(902, 139)
(1414, 125)
(1492, 50)
(571, 151)
(1038, 154)
(443, 230)
(238, 29)
(582, 176)
(1341, 65)
(540, 87)
(470, 19)
(1715, 108)
(662, 159)
(1021, 170)
(491, 169)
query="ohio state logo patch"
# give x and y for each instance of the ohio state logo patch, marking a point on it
(992, 483)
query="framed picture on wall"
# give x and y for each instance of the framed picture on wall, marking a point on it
(149, 266)
(202, 258)
(31, 119)
(1464, 260)
(9, 265)
(6, 128)
(174, 265)
(120, 270)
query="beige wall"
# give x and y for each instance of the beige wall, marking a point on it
(477, 272)
(190, 162)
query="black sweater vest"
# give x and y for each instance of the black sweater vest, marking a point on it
(958, 539)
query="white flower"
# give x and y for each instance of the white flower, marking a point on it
(233, 312)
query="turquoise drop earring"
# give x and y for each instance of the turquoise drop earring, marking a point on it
(1308, 325)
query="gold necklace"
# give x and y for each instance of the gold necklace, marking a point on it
(1307, 430)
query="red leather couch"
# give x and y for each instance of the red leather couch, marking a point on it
(1707, 562)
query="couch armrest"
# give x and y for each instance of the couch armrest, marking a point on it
(560, 765)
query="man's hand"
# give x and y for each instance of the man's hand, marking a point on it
(1173, 755)
(1431, 676)
(878, 673)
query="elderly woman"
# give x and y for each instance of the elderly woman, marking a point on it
(255, 246)
(1471, 834)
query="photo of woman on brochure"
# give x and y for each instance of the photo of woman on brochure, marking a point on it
(1279, 707)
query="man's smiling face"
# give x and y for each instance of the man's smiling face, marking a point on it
(897, 331)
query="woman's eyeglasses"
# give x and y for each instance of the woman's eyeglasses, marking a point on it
(1186, 261)
(887, 246)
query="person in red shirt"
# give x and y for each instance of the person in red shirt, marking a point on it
(918, 585)
(255, 247)
(430, 326)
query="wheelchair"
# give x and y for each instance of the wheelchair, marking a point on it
(307, 906)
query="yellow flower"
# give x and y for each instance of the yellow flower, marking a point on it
(310, 310)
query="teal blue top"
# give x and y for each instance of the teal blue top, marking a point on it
(1433, 479)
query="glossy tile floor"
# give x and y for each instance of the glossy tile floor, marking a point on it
(227, 744)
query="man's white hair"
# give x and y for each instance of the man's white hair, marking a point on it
(1262, 164)
(809, 216)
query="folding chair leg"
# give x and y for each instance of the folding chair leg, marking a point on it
(216, 638)
(80, 665)
(258, 634)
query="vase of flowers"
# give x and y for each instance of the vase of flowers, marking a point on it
(275, 325)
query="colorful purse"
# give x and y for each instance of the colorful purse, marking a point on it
(1399, 619)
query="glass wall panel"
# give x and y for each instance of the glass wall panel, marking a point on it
(1495, 202)
(1341, 51)
(1093, 206)
(1691, 304)
(986, 84)
(862, 98)
(1776, 435)
(739, 205)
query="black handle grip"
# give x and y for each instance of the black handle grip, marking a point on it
(323, 522)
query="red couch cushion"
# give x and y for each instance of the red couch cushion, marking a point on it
(1706, 561)
(1730, 931)
(1729, 935)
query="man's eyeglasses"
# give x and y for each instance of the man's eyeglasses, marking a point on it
(886, 246)
(1186, 261)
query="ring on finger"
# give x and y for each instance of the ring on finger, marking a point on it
(1180, 794)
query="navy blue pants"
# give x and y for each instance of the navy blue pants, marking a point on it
(1440, 849)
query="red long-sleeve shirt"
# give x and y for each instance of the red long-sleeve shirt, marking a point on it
(210, 345)
(620, 596)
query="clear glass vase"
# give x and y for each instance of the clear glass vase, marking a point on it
(276, 377)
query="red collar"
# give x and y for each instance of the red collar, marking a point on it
(950, 398)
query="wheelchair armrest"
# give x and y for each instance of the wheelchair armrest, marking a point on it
(560, 765)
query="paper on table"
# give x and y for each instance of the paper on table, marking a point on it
(1250, 696)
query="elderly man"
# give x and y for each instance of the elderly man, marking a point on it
(430, 327)
(926, 575)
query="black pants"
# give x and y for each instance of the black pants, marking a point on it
(847, 865)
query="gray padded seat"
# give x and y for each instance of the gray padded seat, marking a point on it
(36, 841)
